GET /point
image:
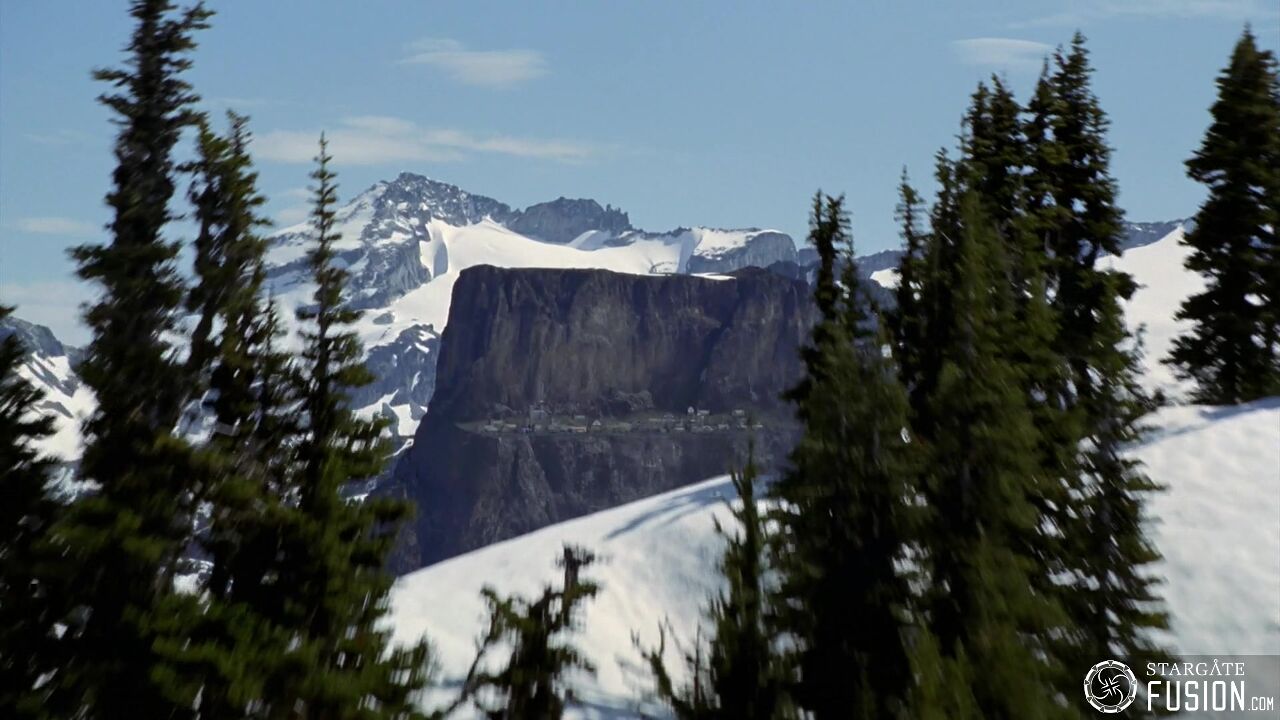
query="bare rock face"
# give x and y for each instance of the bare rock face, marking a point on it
(562, 220)
(565, 392)
(761, 249)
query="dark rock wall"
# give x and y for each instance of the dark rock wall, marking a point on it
(562, 220)
(567, 338)
(598, 345)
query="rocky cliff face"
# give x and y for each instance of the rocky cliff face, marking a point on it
(562, 220)
(563, 392)
(760, 249)
(405, 241)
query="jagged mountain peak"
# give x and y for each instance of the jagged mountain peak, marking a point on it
(37, 340)
(563, 220)
(51, 366)
(412, 194)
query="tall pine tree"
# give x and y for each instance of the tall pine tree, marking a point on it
(1110, 594)
(985, 622)
(123, 540)
(1232, 351)
(998, 164)
(334, 550)
(906, 320)
(932, 274)
(241, 639)
(844, 503)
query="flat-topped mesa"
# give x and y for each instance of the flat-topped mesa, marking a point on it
(564, 392)
(573, 341)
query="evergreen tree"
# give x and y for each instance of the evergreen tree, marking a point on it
(933, 275)
(333, 551)
(994, 157)
(981, 607)
(906, 321)
(1001, 163)
(1232, 352)
(1087, 223)
(742, 675)
(241, 638)
(1109, 595)
(122, 542)
(228, 251)
(532, 683)
(1114, 602)
(29, 609)
(844, 504)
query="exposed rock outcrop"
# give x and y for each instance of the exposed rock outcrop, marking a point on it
(562, 220)
(404, 369)
(593, 374)
(761, 249)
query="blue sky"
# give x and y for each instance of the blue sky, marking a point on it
(722, 114)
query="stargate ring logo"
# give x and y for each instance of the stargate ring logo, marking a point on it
(1110, 686)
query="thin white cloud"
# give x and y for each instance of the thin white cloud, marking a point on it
(53, 303)
(234, 102)
(1084, 12)
(65, 227)
(377, 140)
(1007, 53)
(292, 215)
(58, 137)
(486, 68)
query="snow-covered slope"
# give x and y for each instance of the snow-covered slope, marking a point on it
(1218, 525)
(1163, 284)
(48, 365)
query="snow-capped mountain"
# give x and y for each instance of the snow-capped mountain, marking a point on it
(406, 240)
(1215, 525)
(50, 366)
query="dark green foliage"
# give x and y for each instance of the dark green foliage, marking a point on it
(1233, 350)
(228, 251)
(29, 609)
(1024, 393)
(1114, 601)
(241, 638)
(995, 154)
(999, 172)
(1086, 222)
(906, 321)
(982, 608)
(532, 683)
(742, 674)
(123, 541)
(844, 504)
(943, 688)
(1104, 557)
(333, 550)
(935, 273)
